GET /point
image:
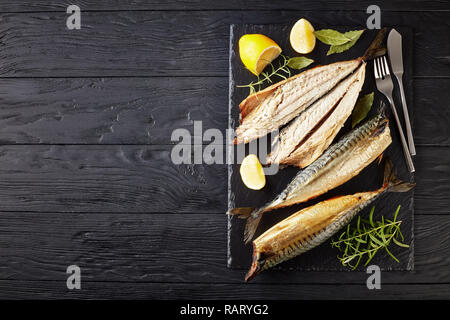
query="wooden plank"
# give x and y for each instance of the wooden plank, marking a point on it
(147, 110)
(180, 43)
(106, 179)
(431, 118)
(111, 110)
(80, 178)
(117, 5)
(432, 179)
(175, 248)
(10, 289)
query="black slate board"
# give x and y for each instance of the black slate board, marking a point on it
(322, 258)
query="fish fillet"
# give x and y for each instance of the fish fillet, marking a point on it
(304, 140)
(320, 139)
(273, 107)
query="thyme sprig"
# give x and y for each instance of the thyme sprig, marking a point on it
(367, 238)
(282, 71)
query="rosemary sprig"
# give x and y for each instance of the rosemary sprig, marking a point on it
(366, 238)
(282, 71)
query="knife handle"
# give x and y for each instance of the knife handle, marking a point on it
(409, 161)
(412, 148)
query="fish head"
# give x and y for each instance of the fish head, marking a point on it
(256, 266)
(259, 261)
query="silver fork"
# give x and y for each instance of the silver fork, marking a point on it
(385, 86)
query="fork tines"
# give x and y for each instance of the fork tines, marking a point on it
(381, 67)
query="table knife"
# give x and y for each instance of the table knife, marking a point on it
(394, 46)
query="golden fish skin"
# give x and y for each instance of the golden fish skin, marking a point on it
(311, 226)
(338, 164)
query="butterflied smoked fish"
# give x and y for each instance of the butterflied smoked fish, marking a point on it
(311, 226)
(269, 109)
(338, 164)
(305, 139)
(273, 107)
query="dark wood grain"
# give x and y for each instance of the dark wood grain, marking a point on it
(111, 179)
(141, 43)
(111, 110)
(148, 290)
(174, 248)
(147, 228)
(433, 180)
(143, 179)
(147, 110)
(117, 5)
(432, 116)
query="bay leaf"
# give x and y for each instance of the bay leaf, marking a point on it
(352, 35)
(299, 62)
(331, 37)
(361, 109)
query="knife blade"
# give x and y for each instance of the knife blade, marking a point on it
(395, 53)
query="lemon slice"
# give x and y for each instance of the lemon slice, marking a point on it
(257, 51)
(252, 173)
(302, 37)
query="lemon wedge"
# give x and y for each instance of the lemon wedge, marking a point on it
(302, 37)
(257, 51)
(252, 173)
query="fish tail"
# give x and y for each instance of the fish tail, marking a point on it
(382, 109)
(256, 267)
(393, 184)
(253, 216)
(376, 48)
(242, 212)
(251, 225)
(382, 122)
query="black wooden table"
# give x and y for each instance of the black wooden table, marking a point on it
(86, 118)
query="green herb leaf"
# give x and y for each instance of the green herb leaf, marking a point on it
(374, 239)
(400, 244)
(371, 216)
(331, 37)
(393, 257)
(352, 35)
(360, 240)
(282, 71)
(382, 235)
(396, 212)
(298, 63)
(371, 255)
(361, 109)
(366, 238)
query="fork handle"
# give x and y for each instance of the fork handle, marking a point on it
(409, 134)
(409, 161)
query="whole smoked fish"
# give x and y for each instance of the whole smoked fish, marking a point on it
(338, 164)
(311, 226)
